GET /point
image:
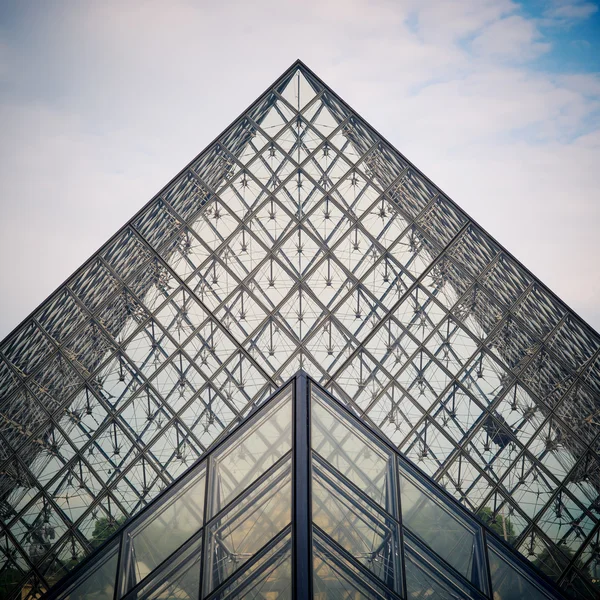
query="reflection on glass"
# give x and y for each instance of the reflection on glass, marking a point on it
(508, 583)
(179, 578)
(428, 577)
(268, 578)
(352, 451)
(252, 450)
(357, 542)
(184, 585)
(441, 529)
(423, 583)
(161, 534)
(367, 534)
(98, 581)
(233, 538)
(334, 578)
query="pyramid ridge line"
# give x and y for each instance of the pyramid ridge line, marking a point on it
(146, 204)
(297, 63)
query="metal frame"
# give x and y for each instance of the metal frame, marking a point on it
(300, 238)
(334, 552)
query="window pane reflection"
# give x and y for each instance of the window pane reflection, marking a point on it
(233, 538)
(442, 530)
(183, 585)
(158, 536)
(423, 583)
(335, 578)
(367, 534)
(508, 583)
(268, 578)
(355, 454)
(99, 584)
(252, 451)
(178, 578)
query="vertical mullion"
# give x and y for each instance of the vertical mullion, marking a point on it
(397, 508)
(301, 492)
(208, 506)
(486, 562)
(123, 564)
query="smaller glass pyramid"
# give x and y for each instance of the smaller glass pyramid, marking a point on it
(303, 500)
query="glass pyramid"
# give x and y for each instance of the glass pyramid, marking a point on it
(304, 501)
(299, 239)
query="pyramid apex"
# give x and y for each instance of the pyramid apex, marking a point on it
(299, 63)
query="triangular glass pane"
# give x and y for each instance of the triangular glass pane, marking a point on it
(299, 90)
(183, 586)
(178, 578)
(425, 579)
(442, 529)
(509, 582)
(166, 528)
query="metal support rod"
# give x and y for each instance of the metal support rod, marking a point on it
(301, 490)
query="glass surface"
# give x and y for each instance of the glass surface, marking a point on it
(268, 578)
(158, 535)
(335, 578)
(234, 537)
(424, 583)
(369, 535)
(353, 452)
(252, 451)
(509, 583)
(184, 584)
(356, 542)
(98, 581)
(179, 577)
(441, 529)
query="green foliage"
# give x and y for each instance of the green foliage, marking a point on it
(104, 528)
(498, 524)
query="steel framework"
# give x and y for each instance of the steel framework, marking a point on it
(299, 239)
(301, 501)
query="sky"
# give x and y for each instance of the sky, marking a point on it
(102, 103)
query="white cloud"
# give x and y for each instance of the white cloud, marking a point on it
(569, 11)
(512, 38)
(104, 102)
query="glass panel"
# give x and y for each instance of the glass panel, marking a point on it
(334, 578)
(257, 517)
(352, 451)
(178, 578)
(443, 531)
(367, 534)
(425, 581)
(98, 581)
(253, 449)
(184, 584)
(159, 535)
(508, 583)
(268, 578)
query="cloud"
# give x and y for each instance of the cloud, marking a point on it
(512, 38)
(102, 103)
(570, 11)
